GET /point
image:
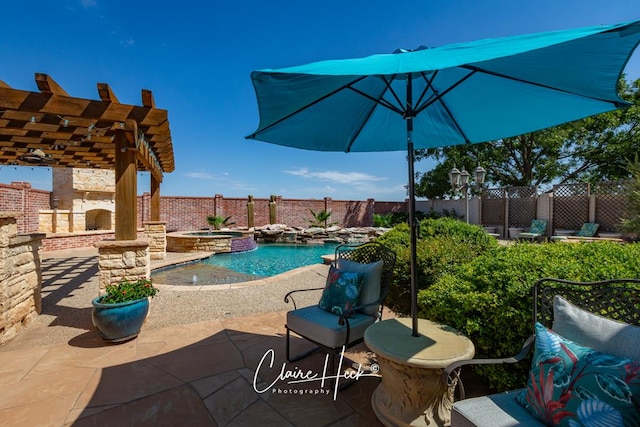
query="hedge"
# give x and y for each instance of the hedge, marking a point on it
(489, 298)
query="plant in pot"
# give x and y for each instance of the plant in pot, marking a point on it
(119, 314)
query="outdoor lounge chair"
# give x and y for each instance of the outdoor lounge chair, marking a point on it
(588, 229)
(565, 367)
(330, 331)
(538, 229)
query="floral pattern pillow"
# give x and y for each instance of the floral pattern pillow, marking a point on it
(571, 385)
(342, 291)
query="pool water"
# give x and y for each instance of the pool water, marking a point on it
(265, 261)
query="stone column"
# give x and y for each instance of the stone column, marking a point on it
(20, 277)
(251, 207)
(122, 259)
(157, 232)
(272, 210)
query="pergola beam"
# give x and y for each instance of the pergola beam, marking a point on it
(80, 132)
(106, 94)
(47, 85)
(147, 99)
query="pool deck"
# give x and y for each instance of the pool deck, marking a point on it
(192, 364)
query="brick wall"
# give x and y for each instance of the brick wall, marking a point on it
(190, 213)
(20, 197)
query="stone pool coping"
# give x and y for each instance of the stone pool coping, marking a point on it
(177, 259)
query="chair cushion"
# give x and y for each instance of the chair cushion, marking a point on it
(538, 226)
(597, 332)
(342, 291)
(571, 385)
(588, 229)
(496, 410)
(528, 235)
(322, 326)
(370, 290)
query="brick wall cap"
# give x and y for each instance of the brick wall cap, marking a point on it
(10, 214)
(109, 243)
(22, 239)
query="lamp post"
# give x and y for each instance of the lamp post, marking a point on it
(460, 180)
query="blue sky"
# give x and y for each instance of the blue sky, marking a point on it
(196, 57)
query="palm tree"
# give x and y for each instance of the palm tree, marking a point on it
(320, 219)
(217, 222)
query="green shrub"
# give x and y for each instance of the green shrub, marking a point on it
(129, 290)
(442, 244)
(380, 220)
(489, 298)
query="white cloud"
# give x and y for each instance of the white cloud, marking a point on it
(200, 175)
(127, 43)
(222, 179)
(335, 176)
(88, 3)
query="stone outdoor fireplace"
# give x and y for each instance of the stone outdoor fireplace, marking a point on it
(82, 200)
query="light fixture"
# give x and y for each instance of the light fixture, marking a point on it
(33, 120)
(464, 177)
(36, 156)
(461, 180)
(65, 122)
(480, 174)
(454, 177)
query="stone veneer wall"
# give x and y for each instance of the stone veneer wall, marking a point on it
(83, 239)
(157, 232)
(20, 277)
(122, 259)
(178, 242)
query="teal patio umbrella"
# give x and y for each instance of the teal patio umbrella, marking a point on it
(461, 93)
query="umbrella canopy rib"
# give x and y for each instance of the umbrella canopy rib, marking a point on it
(379, 101)
(618, 104)
(306, 106)
(428, 85)
(362, 124)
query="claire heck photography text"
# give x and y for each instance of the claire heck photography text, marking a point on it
(287, 378)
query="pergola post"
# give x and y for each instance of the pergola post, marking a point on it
(155, 199)
(126, 185)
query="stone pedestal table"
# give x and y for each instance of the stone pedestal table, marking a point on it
(411, 392)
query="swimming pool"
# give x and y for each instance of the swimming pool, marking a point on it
(265, 261)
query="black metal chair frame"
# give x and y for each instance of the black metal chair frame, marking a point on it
(365, 253)
(616, 299)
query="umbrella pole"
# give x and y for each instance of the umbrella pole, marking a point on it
(413, 226)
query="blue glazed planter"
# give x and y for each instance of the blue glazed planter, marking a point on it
(121, 321)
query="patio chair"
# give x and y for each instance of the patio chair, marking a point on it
(344, 325)
(572, 334)
(588, 229)
(536, 231)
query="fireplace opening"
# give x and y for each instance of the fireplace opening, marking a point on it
(98, 219)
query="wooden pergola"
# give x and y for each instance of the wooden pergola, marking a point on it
(52, 129)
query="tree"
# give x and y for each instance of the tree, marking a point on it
(217, 222)
(590, 149)
(320, 219)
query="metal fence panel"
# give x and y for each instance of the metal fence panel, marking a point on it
(493, 206)
(610, 203)
(570, 206)
(522, 205)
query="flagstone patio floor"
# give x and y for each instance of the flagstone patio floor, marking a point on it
(205, 356)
